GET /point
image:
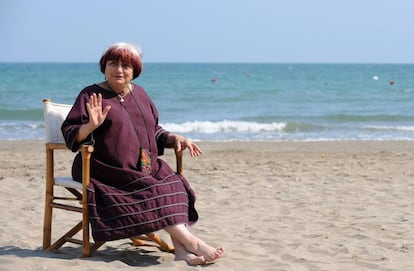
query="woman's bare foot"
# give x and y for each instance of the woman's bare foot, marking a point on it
(191, 258)
(191, 244)
(209, 253)
(182, 254)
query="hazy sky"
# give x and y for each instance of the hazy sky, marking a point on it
(373, 31)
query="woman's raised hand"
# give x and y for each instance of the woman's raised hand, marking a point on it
(96, 114)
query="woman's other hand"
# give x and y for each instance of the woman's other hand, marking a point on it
(181, 143)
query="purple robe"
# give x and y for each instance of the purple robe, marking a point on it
(123, 201)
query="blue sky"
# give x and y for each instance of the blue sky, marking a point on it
(351, 31)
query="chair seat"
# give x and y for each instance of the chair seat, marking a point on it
(68, 182)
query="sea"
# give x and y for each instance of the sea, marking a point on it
(233, 101)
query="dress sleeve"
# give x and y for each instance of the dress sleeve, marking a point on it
(161, 137)
(77, 116)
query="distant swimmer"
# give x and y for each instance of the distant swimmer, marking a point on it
(214, 79)
(392, 82)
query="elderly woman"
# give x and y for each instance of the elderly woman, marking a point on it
(132, 192)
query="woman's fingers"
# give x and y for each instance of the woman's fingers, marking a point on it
(194, 149)
(99, 100)
(95, 100)
(106, 110)
(97, 114)
(197, 150)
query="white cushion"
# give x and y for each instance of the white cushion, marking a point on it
(54, 115)
(68, 182)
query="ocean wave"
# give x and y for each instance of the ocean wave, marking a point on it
(343, 118)
(209, 127)
(21, 130)
(228, 130)
(391, 128)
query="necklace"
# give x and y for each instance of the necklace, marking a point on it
(123, 93)
(121, 96)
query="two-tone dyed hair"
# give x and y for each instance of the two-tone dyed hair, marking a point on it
(126, 53)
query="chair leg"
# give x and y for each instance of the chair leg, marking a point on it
(47, 226)
(93, 248)
(86, 175)
(86, 245)
(47, 223)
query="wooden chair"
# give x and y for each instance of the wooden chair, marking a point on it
(54, 115)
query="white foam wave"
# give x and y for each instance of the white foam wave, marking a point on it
(209, 127)
(396, 128)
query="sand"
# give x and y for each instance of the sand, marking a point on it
(272, 205)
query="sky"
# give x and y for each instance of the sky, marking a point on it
(269, 31)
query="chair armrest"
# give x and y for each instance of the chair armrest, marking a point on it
(56, 146)
(86, 151)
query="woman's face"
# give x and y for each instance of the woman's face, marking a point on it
(118, 73)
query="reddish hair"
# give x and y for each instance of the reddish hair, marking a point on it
(124, 52)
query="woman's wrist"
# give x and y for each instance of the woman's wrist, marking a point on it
(171, 139)
(84, 131)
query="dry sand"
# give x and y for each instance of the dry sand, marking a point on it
(272, 205)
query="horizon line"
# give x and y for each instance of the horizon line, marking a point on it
(216, 62)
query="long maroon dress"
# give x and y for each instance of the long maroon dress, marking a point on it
(124, 201)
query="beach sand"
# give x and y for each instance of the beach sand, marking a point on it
(272, 205)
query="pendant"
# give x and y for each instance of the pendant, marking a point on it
(121, 99)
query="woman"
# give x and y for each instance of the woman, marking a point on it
(132, 192)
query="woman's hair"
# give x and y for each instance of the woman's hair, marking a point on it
(124, 52)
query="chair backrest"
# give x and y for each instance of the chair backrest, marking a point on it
(54, 115)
